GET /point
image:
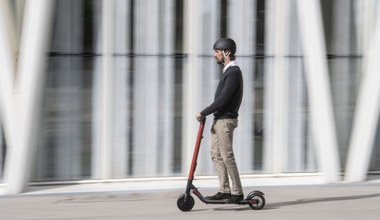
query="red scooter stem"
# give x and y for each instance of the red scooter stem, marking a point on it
(196, 148)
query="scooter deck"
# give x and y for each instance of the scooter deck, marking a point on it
(195, 191)
(224, 201)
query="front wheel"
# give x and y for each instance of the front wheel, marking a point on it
(256, 200)
(183, 204)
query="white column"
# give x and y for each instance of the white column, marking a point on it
(365, 12)
(276, 148)
(366, 114)
(201, 77)
(322, 120)
(299, 152)
(191, 80)
(7, 71)
(35, 35)
(209, 70)
(18, 17)
(121, 105)
(167, 105)
(243, 32)
(146, 88)
(107, 86)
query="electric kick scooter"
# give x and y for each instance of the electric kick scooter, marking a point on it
(185, 201)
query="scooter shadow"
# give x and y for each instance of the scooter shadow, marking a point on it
(319, 200)
(298, 202)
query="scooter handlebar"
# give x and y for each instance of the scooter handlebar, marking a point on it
(202, 120)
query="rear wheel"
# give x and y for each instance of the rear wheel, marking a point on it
(183, 204)
(256, 200)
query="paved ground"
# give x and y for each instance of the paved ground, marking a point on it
(332, 201)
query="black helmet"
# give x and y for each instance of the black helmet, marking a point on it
(225, 43)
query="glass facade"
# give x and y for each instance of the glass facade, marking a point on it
(163, 73)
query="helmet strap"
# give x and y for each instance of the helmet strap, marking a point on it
(225, 55)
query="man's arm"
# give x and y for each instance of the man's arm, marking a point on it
(230, 86)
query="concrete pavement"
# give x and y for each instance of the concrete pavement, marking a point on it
(309, 201)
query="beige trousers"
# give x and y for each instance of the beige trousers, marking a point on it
(223, 156)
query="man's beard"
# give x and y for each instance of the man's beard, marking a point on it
(220, 61)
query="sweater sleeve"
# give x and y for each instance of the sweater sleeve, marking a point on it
(231, 83)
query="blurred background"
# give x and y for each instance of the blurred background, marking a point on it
(161, 72)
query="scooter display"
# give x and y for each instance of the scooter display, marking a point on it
(185, 201)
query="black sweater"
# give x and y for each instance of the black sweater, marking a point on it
(228, 95)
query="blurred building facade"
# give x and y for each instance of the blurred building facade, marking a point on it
(125, 78)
